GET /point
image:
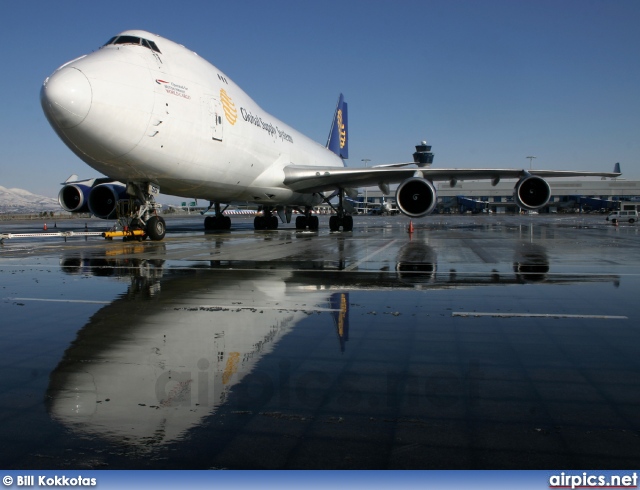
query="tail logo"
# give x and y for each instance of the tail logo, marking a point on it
(341, 129)
(229, 107)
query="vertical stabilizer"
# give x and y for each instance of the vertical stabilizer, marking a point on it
(339, 137)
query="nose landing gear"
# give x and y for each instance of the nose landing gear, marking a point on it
(137, 217)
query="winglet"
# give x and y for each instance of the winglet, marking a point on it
(338, 141)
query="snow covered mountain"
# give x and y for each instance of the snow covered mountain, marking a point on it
(21, 201)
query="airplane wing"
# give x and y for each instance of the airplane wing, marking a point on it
(302, 178)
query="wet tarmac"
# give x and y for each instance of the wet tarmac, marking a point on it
(474, 342)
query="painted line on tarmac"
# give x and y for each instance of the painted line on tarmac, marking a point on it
(250, 308)
(62, 300)
(356, 264)
(467, 314)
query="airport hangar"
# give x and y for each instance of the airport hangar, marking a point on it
(567, 195)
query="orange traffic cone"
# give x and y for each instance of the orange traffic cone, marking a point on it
(45, 226)
(411, 229)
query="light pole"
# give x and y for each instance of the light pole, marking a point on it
(530, 161)
(366, 203)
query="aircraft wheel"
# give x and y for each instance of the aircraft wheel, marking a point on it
(314, 223)
(273, 223)
(156, 228)
(301, 222)
(347, 223)
(334, 224)
(259, 223)
(208, 223)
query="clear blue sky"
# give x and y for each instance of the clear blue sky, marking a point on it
(487, 83)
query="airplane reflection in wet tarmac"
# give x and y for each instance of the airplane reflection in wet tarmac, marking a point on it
(165, 355)
(416, 265)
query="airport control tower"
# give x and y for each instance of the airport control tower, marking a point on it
(423, 156)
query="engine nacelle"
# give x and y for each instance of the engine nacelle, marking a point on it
(103, 199)
(416, 197)
(532, 192)
(74, 198)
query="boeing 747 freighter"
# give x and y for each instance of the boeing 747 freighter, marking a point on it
(151, 115)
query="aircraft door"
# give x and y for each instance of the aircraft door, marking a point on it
(213, 116)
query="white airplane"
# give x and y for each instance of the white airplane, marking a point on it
(152, 115)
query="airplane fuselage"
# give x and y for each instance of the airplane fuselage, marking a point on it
(157, 112)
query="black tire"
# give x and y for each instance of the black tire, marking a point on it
(334, 224)
(208, 223)
(217, 223)
(632, 220)
(301, 222)
(314, 223)
(347, 223)
(259, 223)
(156, 228)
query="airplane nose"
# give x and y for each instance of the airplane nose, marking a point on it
(66, 96)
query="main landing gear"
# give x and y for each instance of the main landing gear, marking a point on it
(267, 221)
(341, 219)
(307, 220)
(344, 221)
(219, 221)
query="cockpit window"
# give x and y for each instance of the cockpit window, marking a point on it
(127, 40)
(134, 40)
(153, 45)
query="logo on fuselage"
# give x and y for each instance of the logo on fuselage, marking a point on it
(229, 107)
(174, 88)
(341, 130)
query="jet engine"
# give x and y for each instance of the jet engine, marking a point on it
(532, 192)
(103, 199)
(74, 198)
(416, 197)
